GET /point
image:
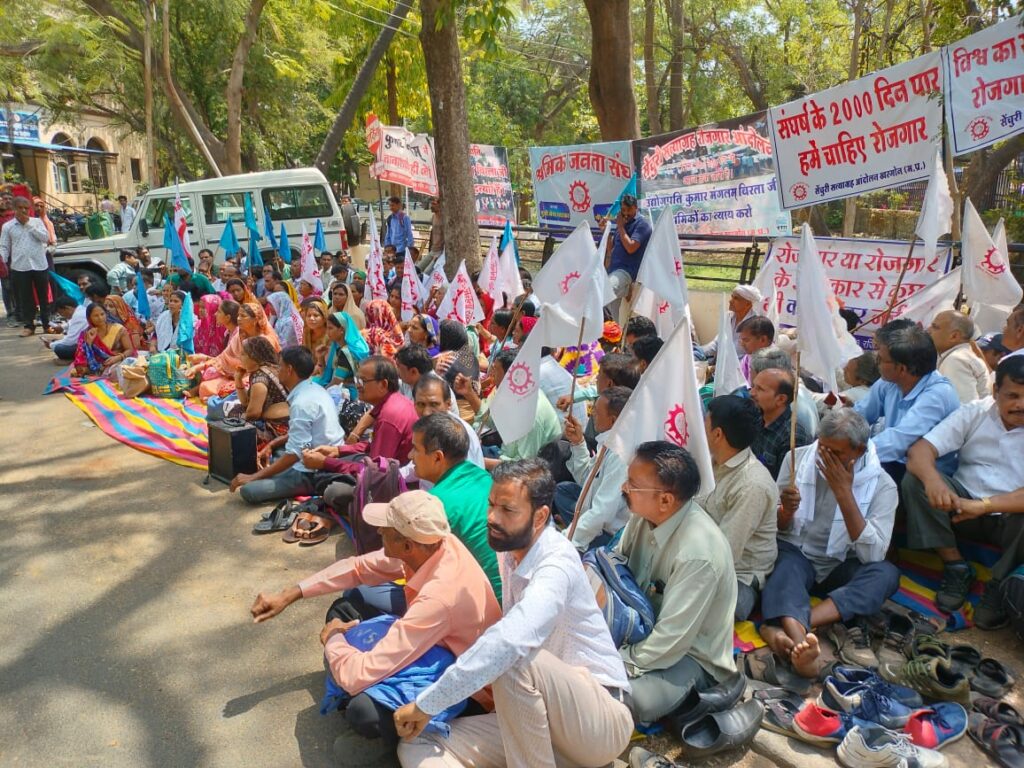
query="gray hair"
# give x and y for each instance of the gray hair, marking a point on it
(962, 324)
(769, 357)
(845, 424)
(21, 200)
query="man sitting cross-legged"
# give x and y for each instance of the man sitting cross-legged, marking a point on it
(984, 498)
(447, 601)
(835, 524)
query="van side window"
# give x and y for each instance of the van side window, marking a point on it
(157, 207)
(217, 207)
(309, 202)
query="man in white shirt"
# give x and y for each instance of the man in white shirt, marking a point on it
(117, 275)
(23, 242)
(952, 332)
(1013, 333)
(604, 511)
(982, 501)
(560, 689)
(127, 214)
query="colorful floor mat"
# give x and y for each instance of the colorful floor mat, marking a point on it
(170, 429)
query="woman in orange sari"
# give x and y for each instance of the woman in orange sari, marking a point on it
(220, 370)
(117, 306)
(314, 329)
(253, 321)
(240, 291)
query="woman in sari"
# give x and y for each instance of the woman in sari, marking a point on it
(102, 346)
(211, 337)
(263, 400)
(383, 333)
(314, 329)
(252, 321)
(352, 309)
(175, 325)
(424, 330)
(219, 371)
(117, 307)
(240, 292)
(457, 356)
(348, 349)
(287, 320)
(395, 300)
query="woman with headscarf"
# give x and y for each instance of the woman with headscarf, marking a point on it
(102, 346)
(175, 325)
(348, 349)
(457, 356)
(314, 328)
(523, 329)
(117, 307)
(287, 320)
(219, 372)
(211, 337)
(383, 333)
(424, 330)
(352, 309)
(240, 292)
(252, 321)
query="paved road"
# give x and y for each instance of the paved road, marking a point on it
(125, 585)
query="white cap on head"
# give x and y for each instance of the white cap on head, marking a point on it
(748, 293)
(416, 515)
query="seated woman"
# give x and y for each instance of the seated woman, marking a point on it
(102, 346)
(252, 321)
(348, 349)
(117, 307)
(352, 308)
(456, 357)
(383, 333)
(314, 329)
(175, 325)
(395, 301)
(425, 331)
(211, 337)
(220, 369)
(287, 320)
(264, 400)
(240, 291)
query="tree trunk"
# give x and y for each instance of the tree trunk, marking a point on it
(233, 92)
(983, 172)
(148, 12)
(611, 69)
(443, 59)
(391, 72)
(650, 76)
(675, 83)
(332, 141)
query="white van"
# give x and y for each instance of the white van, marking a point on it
(291, 197)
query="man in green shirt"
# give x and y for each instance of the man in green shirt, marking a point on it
(199, 280)
(439, 449)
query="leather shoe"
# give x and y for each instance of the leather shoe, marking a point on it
(717, 698)
(719, 731)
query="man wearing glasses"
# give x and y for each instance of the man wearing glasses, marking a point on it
(683, 562)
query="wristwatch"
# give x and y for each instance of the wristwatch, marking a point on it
(986, 503)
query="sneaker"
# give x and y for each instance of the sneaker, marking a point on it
(846, 696)
(990, 613)
(874, 746)
(853, 643)
(932, 677)
(897, 635)
(852, 674)
(956, 585)
(876, 708)
(937, 726)
(817, 725)
(641, 758)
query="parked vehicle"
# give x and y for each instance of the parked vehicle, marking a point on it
(291, 197)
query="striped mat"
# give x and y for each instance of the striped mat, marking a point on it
(169, 429)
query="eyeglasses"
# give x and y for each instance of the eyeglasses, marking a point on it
(628, 487)
(360, 382)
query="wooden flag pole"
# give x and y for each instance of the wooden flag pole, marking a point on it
(793, 422)
(598, 460)
(576, 367)
(899, 282)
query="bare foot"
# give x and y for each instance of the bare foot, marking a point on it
(805, 657)
(777, 639)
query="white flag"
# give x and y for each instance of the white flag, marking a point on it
(937, 209)
(584, 303)
(658, 311)
(509, 280)
(567, 264)
(728, 376)
(308, 269)
(765, 283)
(824, 343)
(461, 302)
(662, 267)
(181, 225)
(376, 285)
(988, 283)
(513, 408)
(412, 291)
(490, 273)
(437, 277)
(666, 406)
(923, 306)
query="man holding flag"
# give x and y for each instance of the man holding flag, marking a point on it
(628, 245)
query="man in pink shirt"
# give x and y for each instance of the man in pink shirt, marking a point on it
(449, 602)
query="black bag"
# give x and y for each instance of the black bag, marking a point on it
(232, 449)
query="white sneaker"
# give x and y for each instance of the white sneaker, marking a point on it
(875, 746)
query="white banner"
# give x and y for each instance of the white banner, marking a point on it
(863, 275)
(404, 157)
(578, 183)
(876, 132)
(985, 86)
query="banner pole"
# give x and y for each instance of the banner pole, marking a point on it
(899, 282)
(598, 460)
(576, 367)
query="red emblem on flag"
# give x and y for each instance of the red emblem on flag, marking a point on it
(520, 380)
(676, 429)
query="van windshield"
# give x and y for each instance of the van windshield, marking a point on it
(156, 207)
(309, 202)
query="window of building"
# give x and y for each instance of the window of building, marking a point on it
(157, 207)
(62, 139)
(61, 181)
(98, 164)
(73, 177)
(310, 202)
(218, 207)
(136, 170)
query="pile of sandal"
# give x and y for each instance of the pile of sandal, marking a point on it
(306, 523)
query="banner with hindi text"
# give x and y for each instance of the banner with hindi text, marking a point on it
(492, 184)
(863, 275)
(985, 86)
(719, 178)
(876, 132)
(403, 157)
(578, 182)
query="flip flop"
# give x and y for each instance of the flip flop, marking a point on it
(762, 665)
(1003, 742)
(779, 714)
(317, 534)
(997, 710)
(991, 679)
(280, 518)
(303, 522)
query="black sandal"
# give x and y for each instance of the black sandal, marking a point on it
(279, 518)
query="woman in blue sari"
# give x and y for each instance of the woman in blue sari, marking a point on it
(348, 349)
(424, 330)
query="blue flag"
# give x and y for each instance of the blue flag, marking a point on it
(141, 298)
(268, 228)
(68, 287)
(282, 245)
(250, 220)
(255, 259)
(173, 246)
(319, 241)
(186, 326)
(229, 240)
(629, 189)
(506, 238)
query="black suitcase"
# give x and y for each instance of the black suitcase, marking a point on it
(232, 449)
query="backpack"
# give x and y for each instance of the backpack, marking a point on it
(626, 609)
(1013, 600)
(379, 482)
(166, 374)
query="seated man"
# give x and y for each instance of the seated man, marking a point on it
(984, 498)
(755, 333)
(772, 392)
(645, 349)
(951, 332)
(682, 560)
(805, 404)
(433, 395)
(74, 313)
(604, 511)
(550, 658)
(616, 370)
(835, 524)
(745, 499)
(638, 327)
(1013, 333)
(439, 447)
(446, 601)
(911, 396)
(412, 361)
(744, 302)
(312, 420)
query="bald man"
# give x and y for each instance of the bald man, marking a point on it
(952, 331)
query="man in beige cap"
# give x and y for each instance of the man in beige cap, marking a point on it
(448, 597)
